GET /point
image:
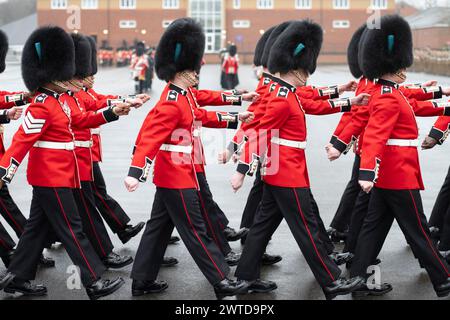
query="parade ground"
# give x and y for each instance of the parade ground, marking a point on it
(295, 280)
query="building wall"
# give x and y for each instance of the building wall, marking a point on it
(149, 15)
(434, 38)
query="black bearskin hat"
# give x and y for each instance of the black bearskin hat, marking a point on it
(4, 45)
(353, 52)
(83, 56)
(271, 40)
(232, 50)
(388, 49)
(298, 47)
(48, 55)
(94, 66)
(259, 50)
(140, 49)
(181, 48)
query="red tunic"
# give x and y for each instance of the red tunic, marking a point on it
(50, 119)
(441, 129)
(230, 65)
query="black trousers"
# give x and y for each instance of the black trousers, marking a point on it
(210, 210)
(294, 205)
(6, 242)
(405, 206)
(253, 201)
(110, 209)
(441, 205)
(342, 217)
(54, 210)
(359, 214)
(93, 225)
(11, 212)
(179, 208)
(444, 244)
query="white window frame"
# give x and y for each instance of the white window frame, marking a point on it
(241, 24)
(89, 4)
(166, 23)
(127, 24)
(339, 4)
(341, 24)
(265, 4)
(236, 4)
(380, 4)
(171, 4)
(58, 4)
(303, 4)
(127, 4)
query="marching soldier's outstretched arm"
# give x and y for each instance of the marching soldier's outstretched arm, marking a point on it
(319, 107)
(33, 126)
(441, 129)
(422, 93)
(216, 98)
(345, 120)
(90, 119)
(12, 99)
(313, 93)
(430, 108)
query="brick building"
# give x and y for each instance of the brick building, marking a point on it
(238, 21)
(431, 28)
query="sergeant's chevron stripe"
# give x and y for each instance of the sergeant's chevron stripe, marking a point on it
(31, 125)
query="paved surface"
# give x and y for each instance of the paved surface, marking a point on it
(293, 276)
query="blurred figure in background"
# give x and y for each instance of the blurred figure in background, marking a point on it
(139, 68)
(230, 69)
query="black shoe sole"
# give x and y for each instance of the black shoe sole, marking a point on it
(369, 293)
(119, 265)
(107, 293)
(25, 293)
(47, 265)
(237, 238)
(266, 263)
(174, 241)
(262, 290)
(168, 265)
(232, 263)
(138, 293)
(133, 234)
(443, 294)
(241, 291)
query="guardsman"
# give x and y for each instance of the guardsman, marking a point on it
(282, 137)
(139, 66)
(390, 167)
(439, 221)
(109, 208)
(230, 69)
(48, 63)
(166, 139)
(12, 103)
(93, 225)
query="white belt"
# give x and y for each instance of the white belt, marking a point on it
(403, 143)
(83, 144)
(55, 145)
(95, 131)
(176, 148)
(289, 143)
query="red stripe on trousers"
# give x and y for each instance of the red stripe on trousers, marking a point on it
(94, 276)
(198, 238)
(10, 216)
(3, 243)
(209, 221)
(426, 237)
(310, 236)
(111, 212)
(91, 222)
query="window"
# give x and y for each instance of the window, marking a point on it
(341, 24)
(303, 4)
(166, 23)
(341, 4)
(59, 4)
(171, 4)
(236, 4)
(239, 24)
(209, 14)
(264, 4)
(89, 4)
(127, 4)
(127, 24)
(379, 4)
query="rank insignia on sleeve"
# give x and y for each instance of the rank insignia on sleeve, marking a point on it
(283, 92)
(231, 99)
(431, 89)
(386, 90)
(328, 91)
(172, 96)
(14, 98)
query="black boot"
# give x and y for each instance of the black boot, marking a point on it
(445, 255)
(443, 289)
(129, 232)
(337, 236)
(260, 286)
(46, 262)
(232, 258)
(341, 287)
(140, 288)
(268, 259)
(26, 288)
(435, 233)
(228, 288)
(174, 239)
(233, 235)
(342, 258)
(102, 288)
(115, 261)
(169, 262)
(364, 291)
(7, 258)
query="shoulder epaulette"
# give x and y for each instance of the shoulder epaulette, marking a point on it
(272, 87)
(283, 92)
(386, 90)
(41, 98)
(172, 96)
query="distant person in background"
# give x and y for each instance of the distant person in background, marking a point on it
(150, 70)
(230, 69)
(139, 67)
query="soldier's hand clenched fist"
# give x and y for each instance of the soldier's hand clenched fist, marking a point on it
(366, 186)
(429, 143)
(122, 109)
(14, 113)
(246, 116)
(131, 184)
(237, 180)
